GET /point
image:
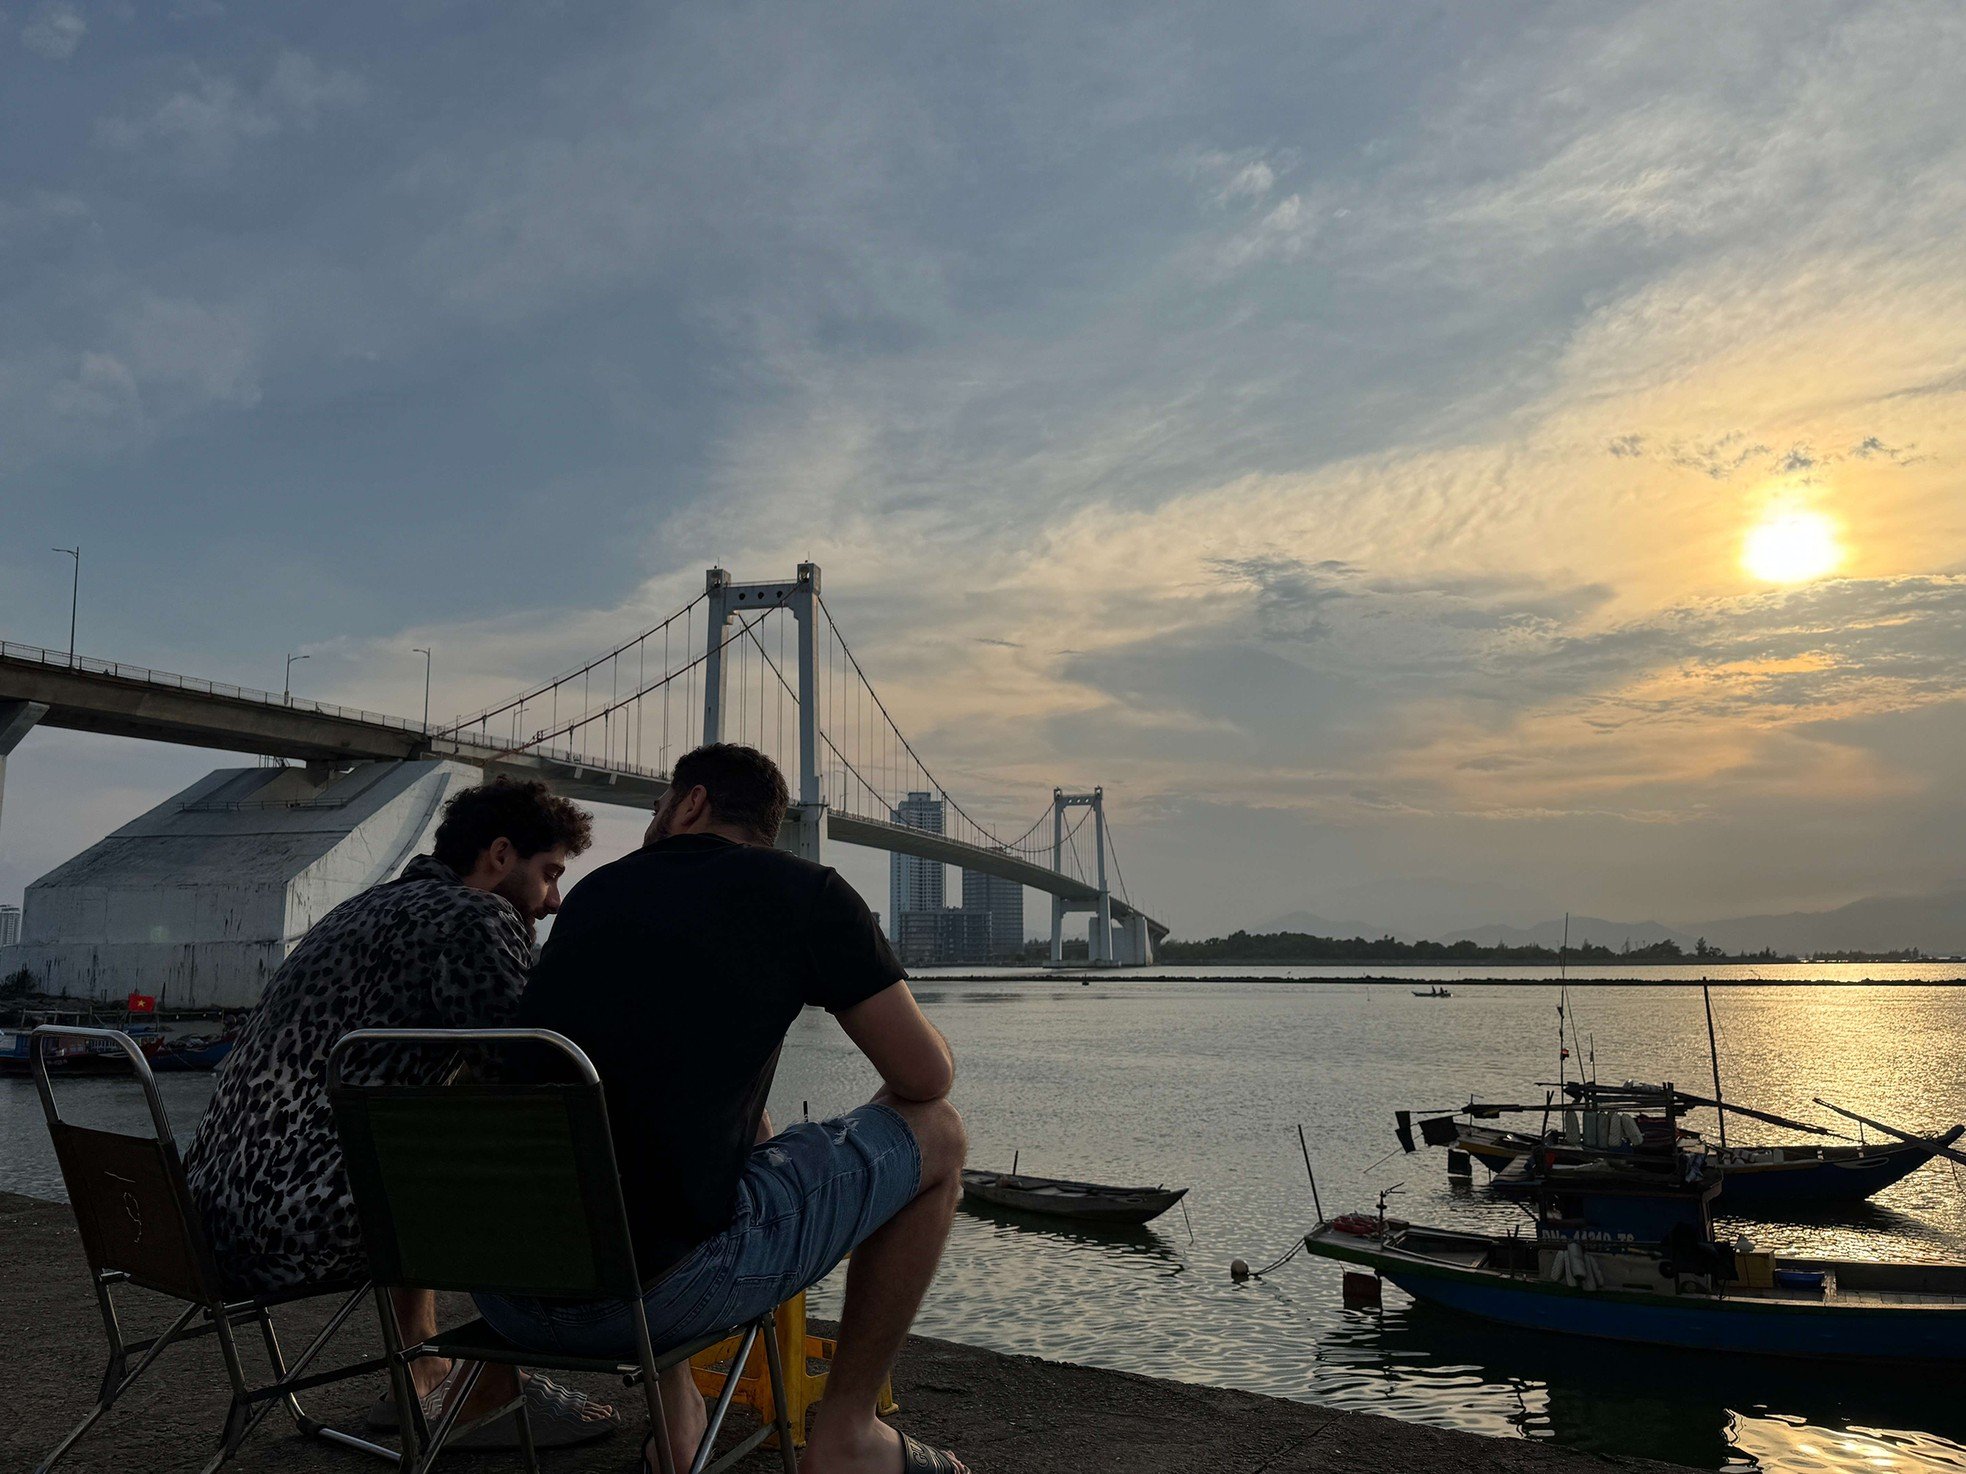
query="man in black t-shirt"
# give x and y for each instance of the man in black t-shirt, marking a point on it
(678, 969)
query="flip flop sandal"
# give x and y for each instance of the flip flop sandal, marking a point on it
(918, 1458)
(383, 1416)
(559, 1417)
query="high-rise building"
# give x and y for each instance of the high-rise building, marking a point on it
(1003, 902)
(9, 925)
(943, 936)
(915, 884)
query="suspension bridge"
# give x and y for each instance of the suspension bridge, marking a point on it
(760, 663)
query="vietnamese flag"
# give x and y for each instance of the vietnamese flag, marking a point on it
(141, 1003)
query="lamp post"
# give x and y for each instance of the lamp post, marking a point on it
(420, 650)
(74, 594)
(287, 693)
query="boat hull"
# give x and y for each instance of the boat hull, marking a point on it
(1694, 1322)
(1747, 1187)
(1098, 1205)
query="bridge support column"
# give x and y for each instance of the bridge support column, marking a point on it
(716, 584)
(17, 719)
(1057, 863)
(1103, 953)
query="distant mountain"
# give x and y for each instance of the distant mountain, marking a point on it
(1934, 923)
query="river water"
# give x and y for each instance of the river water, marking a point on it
(1137, 1079)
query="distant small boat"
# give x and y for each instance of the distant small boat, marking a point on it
(1436, 991)
(1057, 1197)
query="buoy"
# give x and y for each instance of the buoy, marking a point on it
(1238, 1270)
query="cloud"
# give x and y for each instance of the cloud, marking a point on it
(1872, 447)
(203, 127)
(54, 31)
(1718, 460)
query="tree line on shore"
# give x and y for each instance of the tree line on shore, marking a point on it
(1288, 946)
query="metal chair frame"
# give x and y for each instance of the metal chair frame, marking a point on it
(476, 1342)
(209, 1309)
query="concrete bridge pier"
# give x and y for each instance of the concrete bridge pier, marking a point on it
(17, 719)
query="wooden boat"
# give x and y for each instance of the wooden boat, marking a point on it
(1057, 1197)
(1754, 1178)
(182, 1055)
(1436, 991)
(1838, 1309)
(70, 1056)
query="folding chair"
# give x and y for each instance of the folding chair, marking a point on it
(512, 1189)
(140, 1228)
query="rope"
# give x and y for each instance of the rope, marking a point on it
(1277, 1264)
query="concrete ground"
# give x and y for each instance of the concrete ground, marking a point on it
(1002, 1414)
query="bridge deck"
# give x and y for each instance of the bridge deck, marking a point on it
(157, 706)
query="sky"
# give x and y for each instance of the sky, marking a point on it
(1336, 430)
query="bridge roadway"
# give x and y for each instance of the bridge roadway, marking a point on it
(157, 706)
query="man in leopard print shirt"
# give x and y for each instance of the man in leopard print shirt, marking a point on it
(445, 945)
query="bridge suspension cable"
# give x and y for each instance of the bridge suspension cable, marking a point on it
(866, 765)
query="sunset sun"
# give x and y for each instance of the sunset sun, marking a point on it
(1791, 547)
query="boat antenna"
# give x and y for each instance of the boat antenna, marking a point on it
(1713, 1053)
(1305, 1148)
(1562, 997)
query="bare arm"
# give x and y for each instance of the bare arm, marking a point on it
(765, 1133)
(909, 1052)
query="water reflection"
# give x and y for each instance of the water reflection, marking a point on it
(1118, 1241)
(1707, 1411)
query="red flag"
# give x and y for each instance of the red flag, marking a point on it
(141, 1003)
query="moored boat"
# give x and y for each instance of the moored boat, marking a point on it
(1842, 1309)
(1058, 1197)
(1754, 1177)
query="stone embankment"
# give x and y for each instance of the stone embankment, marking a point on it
(1003, 1414)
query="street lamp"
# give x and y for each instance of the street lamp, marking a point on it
(74, 593)
(419, 650)
(287, 694)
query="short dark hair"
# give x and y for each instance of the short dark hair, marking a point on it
(524, 811)
(745, 787)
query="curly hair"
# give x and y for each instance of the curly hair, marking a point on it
(524, 811)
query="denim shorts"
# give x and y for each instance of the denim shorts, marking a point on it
(805, 1198)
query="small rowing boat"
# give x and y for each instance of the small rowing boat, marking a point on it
(1058, 1197)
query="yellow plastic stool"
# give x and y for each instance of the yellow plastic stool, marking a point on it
(803, 1388)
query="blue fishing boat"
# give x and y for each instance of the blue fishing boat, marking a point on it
(191, 1054)
(1613, 1290)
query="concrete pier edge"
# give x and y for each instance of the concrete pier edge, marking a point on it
(1002, 1414)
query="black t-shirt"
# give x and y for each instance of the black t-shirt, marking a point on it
(678, 969)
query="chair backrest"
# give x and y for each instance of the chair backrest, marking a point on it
(506, 1188)
(128, 1193)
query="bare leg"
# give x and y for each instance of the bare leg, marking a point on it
(886, 1279)
(687, 1416)
(416, 1313)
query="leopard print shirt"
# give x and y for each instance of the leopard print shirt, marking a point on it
(421, 951)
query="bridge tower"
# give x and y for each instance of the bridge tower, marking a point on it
(807, 819)
(1100, 941)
